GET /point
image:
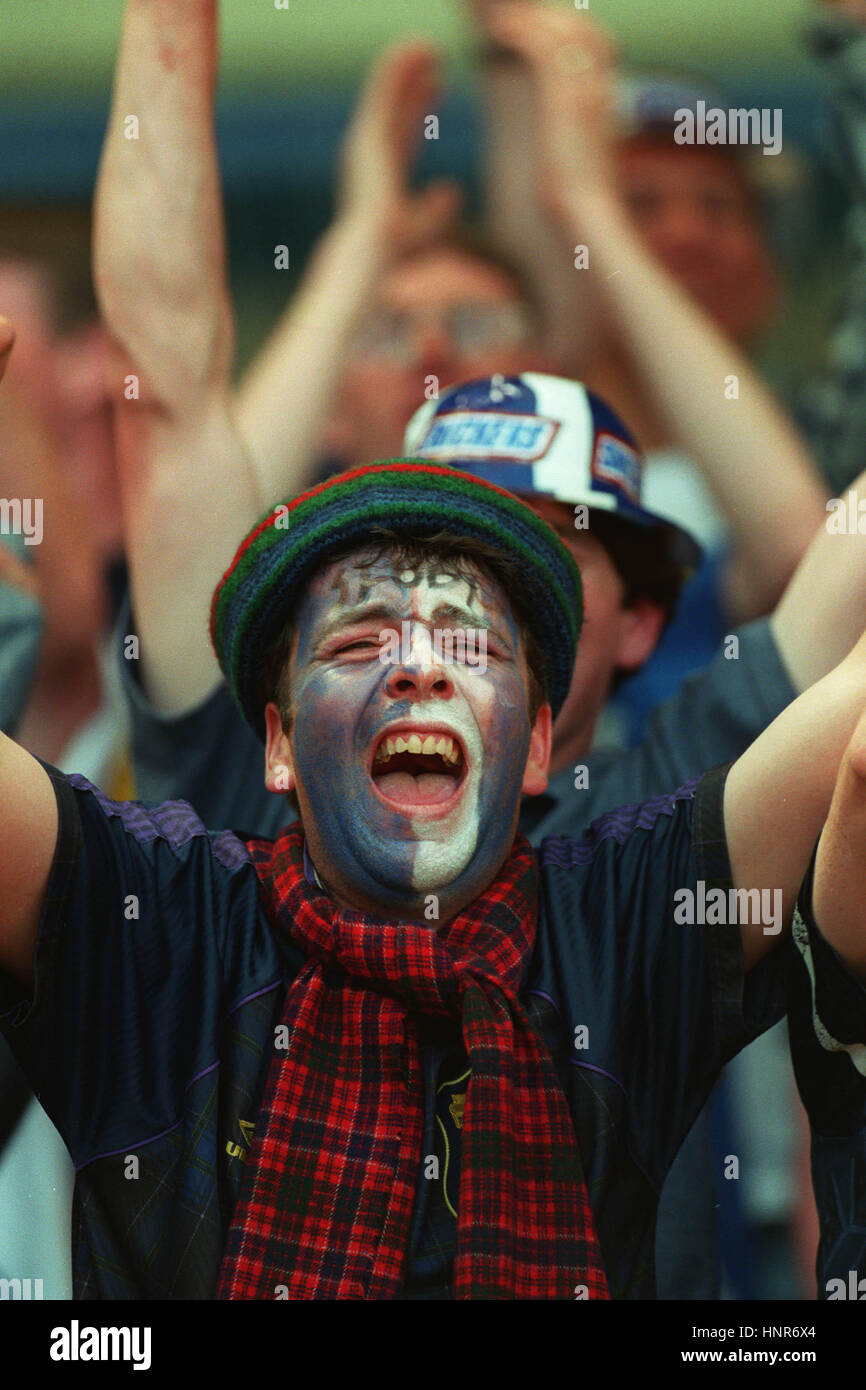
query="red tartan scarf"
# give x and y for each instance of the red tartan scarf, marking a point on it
(328, 1188)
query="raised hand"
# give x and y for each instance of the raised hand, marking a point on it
(381, 144)
(570, 59)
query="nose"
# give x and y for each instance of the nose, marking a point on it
(434, 349)
(419, 683)
(420, 674)
(684, 226)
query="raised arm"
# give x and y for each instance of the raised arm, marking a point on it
(296, 375)
(822, 612)
(188, 488)
(512, 196)
(839, 888)
(778, 794)
(755, 463)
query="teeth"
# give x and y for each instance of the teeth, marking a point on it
(447, 749)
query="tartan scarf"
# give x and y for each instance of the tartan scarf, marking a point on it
(329, 1184)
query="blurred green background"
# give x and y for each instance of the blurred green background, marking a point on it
(287, 80)
(55, 46)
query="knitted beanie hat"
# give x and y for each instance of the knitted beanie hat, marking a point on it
(414, 500)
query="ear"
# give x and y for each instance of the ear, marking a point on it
(538, 759)
(640, 629)
(279, 763)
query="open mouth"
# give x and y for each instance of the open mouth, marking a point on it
(424, 768)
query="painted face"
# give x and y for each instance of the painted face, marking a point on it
(408, 751)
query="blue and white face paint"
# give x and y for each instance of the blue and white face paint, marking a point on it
(408, 768)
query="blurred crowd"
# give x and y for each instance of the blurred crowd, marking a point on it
(609, 254)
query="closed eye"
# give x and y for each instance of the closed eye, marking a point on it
(362, 644)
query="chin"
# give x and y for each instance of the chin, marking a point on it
(439, 864)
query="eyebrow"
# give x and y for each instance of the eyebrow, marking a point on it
(361, 613)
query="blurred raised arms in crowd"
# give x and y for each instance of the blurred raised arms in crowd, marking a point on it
(648, 346)
(290, 390)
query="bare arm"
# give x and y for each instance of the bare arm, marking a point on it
(839, 888)
(823, 610)
(286, 397)
(188, 489)
(512, 203)
(754, 461)
(778, 794)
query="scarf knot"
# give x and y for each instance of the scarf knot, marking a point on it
(414, 964)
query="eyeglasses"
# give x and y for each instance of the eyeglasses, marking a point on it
(472, 328)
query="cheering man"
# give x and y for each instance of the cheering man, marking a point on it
(247, 1044)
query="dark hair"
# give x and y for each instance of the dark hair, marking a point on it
(643, 558)
(465, 556)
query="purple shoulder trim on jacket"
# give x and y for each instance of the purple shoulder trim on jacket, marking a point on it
(173, 821)
(617, 825)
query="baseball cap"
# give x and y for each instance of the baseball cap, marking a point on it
(539, 435)
(648, 100)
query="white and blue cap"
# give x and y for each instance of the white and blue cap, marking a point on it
(543, 435)
(648, 99)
